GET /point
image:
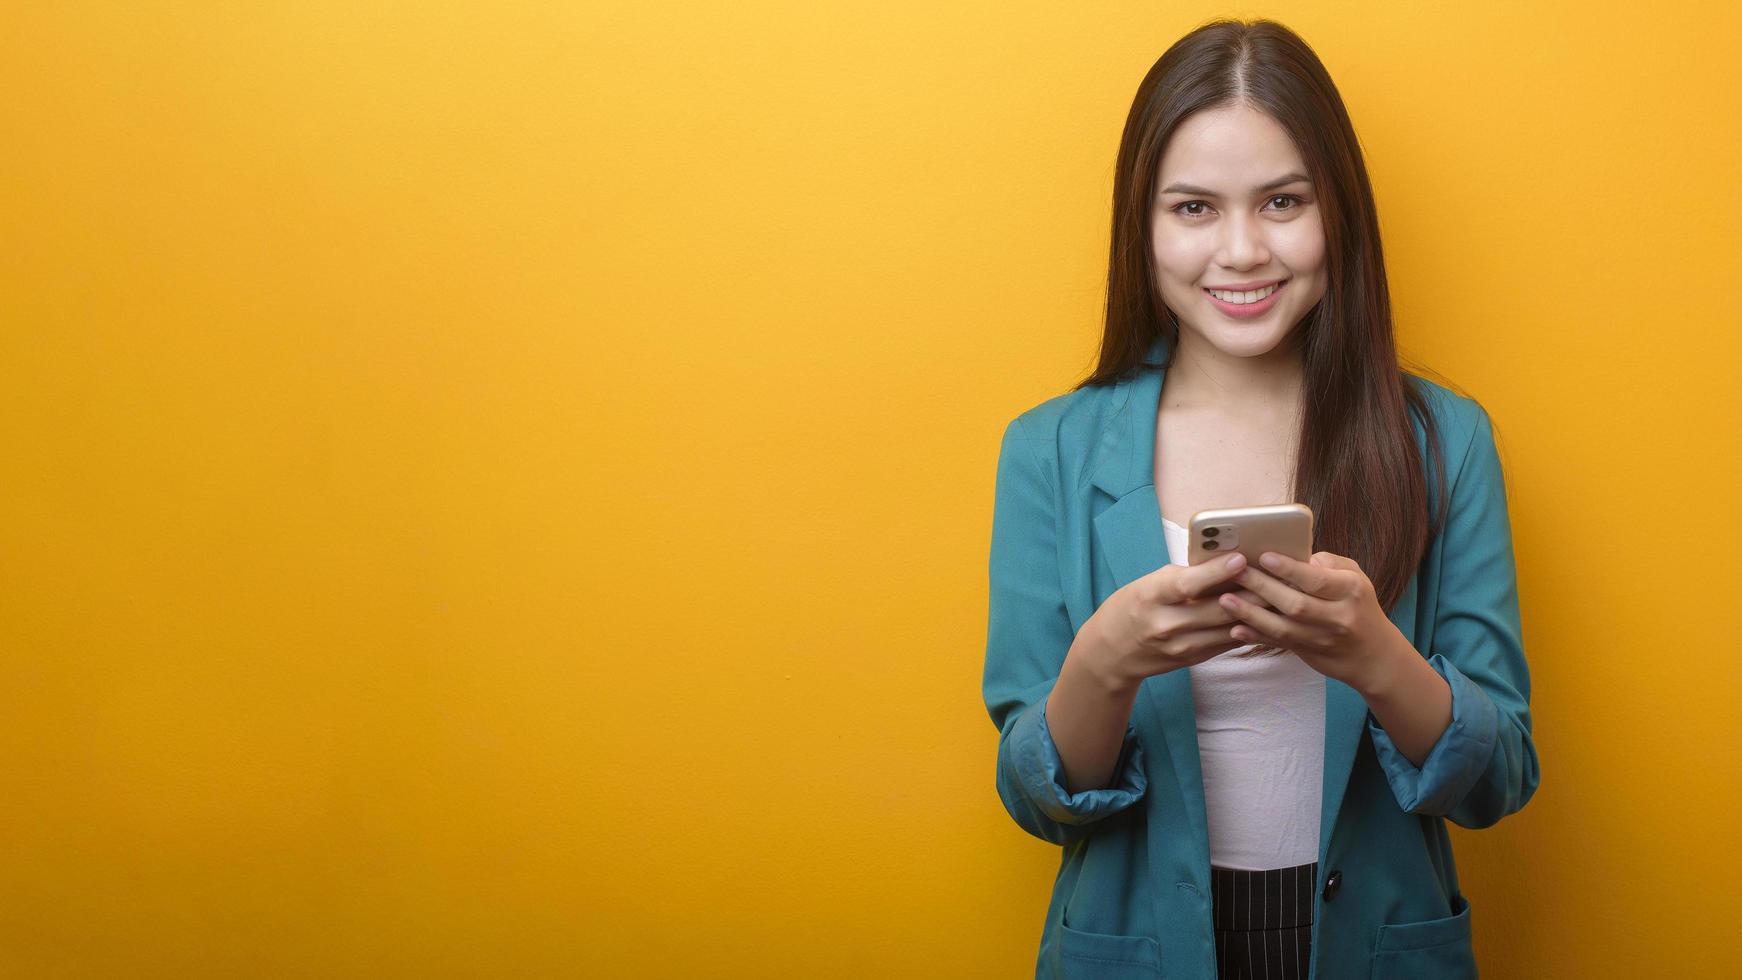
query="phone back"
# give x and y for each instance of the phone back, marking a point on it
(1283, 528)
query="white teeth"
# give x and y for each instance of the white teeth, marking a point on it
(1247, 297)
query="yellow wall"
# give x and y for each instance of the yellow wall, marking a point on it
(503, 489)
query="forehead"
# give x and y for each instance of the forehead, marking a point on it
(1228, 149)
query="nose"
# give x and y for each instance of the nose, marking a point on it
(1243, 243)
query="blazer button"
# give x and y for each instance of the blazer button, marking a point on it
(1333, 882)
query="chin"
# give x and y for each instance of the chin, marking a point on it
(1252, 348)
(1243, 341)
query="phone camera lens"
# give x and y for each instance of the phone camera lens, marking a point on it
(1210, 532)
(1209, 546)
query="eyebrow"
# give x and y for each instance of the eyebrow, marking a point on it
(1282, 181)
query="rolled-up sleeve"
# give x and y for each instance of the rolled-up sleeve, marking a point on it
(1028, 635)
(1456, 761)
(1484, 766)
(1040, 775)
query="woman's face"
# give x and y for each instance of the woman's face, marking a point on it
(1233, 206)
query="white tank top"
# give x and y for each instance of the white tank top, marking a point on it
(1261, 741)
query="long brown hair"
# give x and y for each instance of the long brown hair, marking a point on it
(1359, 467)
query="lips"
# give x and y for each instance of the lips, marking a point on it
(1247, 287)
(1248, 311)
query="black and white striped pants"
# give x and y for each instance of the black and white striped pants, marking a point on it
(1263, 921)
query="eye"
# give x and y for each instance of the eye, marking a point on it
(1176, 209)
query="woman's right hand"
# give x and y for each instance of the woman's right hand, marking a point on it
(1166, 620)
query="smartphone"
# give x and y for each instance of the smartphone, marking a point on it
(1286, 529)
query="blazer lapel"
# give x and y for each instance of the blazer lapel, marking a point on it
(1129, 534)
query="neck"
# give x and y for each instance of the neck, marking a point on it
(1263, 388)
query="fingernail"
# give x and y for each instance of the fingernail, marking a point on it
(1236, 559)
(1270, 560)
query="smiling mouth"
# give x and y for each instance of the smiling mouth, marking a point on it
(1246, 297)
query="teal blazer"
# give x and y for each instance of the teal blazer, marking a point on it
(1075, 518)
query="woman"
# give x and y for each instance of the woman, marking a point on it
(1256, 783)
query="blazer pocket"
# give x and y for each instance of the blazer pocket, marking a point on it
(1104, 956)
(1433, 949)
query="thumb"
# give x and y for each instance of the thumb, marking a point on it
(1203, 578)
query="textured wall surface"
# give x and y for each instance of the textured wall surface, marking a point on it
(503, 489)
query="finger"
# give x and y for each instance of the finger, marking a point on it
(1198, 580)
(1231, 585)
(1331, 559)
(1232, 589)
(1247, 633)
(1208, 612)
(1263, 620)
(1197, 646)
(1253, 651)
(1285, 598)
(1314, 580)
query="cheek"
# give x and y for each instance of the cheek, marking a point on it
(1178, 256)
(1302, 248)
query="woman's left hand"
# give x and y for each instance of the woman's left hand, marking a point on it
(1324, 611)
